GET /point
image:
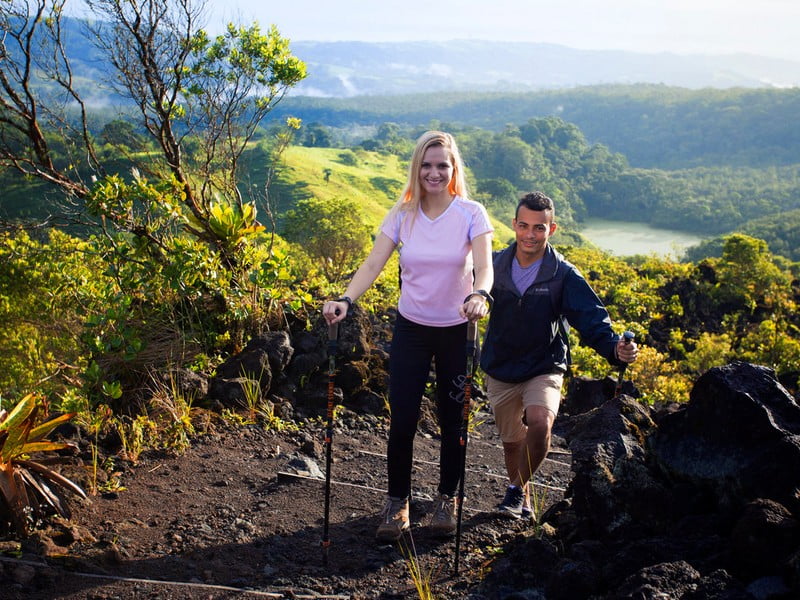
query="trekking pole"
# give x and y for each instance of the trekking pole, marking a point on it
(333, 347)
(472, 335)
(627, 338)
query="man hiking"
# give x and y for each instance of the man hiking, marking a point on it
(525, 353)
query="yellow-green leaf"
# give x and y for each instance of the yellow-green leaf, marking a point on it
(19, 413)
(42, 430)
(45, 447)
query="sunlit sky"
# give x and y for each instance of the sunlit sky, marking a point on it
(767, 27)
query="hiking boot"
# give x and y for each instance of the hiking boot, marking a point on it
(394, 520)
(513, 503)
(443, 521)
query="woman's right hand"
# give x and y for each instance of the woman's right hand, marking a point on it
(334, 311)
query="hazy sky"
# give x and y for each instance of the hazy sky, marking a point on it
(765, 27)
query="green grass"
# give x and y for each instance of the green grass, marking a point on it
(357, 182)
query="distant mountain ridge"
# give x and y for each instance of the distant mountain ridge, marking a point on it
(347, 69)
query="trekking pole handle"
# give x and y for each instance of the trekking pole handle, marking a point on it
(333, 329)
(472, 332)
(333, 337)
(472, 339)
(333, 348)
(627, 338)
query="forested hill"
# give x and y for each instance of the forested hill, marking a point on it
(654, 126)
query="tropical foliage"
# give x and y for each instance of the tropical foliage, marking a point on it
(29, 489)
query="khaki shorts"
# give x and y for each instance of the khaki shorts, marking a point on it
(509, 401)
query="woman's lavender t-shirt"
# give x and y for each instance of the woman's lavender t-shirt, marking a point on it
(436, 260)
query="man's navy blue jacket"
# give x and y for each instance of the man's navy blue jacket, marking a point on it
(523, 338)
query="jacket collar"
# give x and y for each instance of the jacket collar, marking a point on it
(548, 270)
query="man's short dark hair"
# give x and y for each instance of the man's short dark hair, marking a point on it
(536, 201)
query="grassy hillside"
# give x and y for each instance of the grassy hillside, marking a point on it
(374, 180)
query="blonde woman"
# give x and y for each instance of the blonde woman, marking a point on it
(444, 240)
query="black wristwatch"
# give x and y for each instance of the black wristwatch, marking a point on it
(487, 296)
(348, 300)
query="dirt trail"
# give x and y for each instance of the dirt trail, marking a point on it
(241, 514)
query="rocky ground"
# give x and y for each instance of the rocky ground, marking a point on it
(241, 514)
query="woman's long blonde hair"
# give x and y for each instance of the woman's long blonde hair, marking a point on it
(411, 197)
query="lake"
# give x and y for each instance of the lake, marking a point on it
(623, 238)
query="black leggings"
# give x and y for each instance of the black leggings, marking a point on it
(413, 347)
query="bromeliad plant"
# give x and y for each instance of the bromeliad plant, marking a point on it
(29, 489)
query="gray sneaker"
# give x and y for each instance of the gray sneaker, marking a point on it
(443, 521)
(513, 504)
(394, 520)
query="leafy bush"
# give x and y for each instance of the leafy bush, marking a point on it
(331, 230)
(658, 379)
(98, 313)
(46, 290)
(710, 350)
(774, 344)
